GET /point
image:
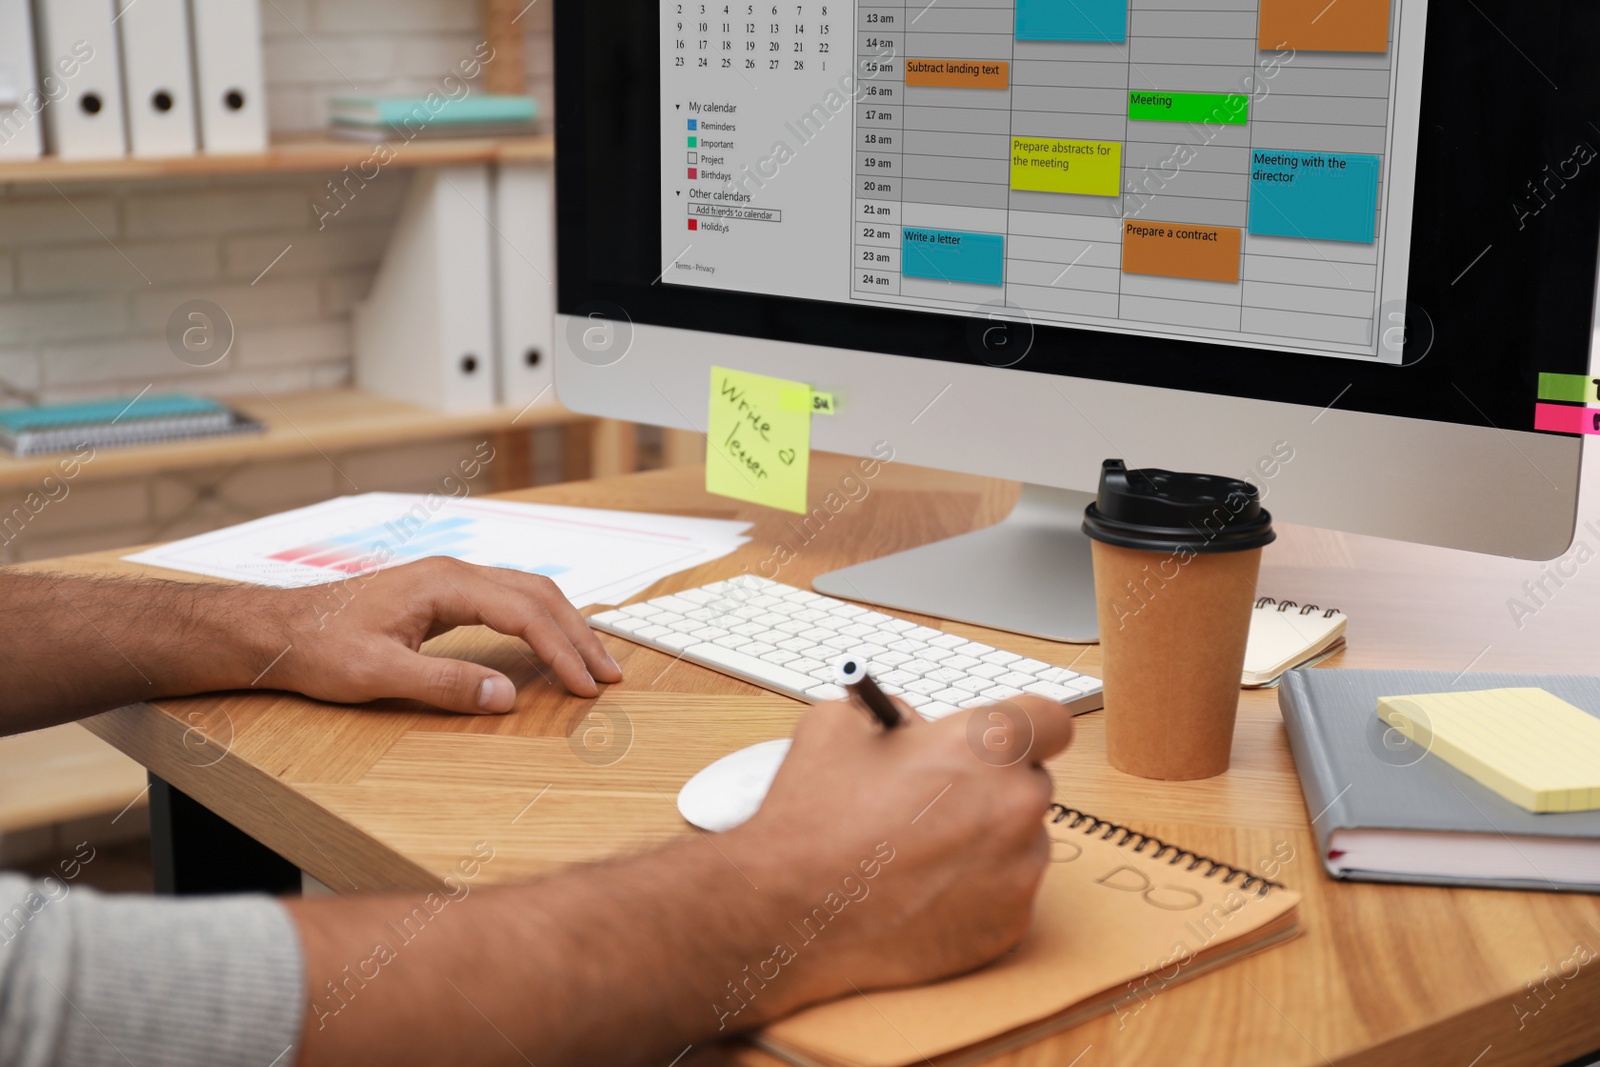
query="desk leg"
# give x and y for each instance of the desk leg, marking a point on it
(195, 852)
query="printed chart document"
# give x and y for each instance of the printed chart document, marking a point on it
(594, 555)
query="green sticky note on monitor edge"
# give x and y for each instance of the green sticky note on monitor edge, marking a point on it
(758, 448)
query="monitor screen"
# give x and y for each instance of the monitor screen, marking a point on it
(1367, 202)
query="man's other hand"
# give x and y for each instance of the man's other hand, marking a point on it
(359, 640)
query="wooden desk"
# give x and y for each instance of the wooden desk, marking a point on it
(389, 798)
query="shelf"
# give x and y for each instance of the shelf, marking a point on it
(286, 156)
(298, 424)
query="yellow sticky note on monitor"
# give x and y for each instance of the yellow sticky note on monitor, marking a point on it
(758, 448)
(1531, 747)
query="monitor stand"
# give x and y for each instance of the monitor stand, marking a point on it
(1029, 573)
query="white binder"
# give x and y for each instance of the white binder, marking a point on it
(78, 58)
(157, 78)
(525, 274)
(20, 101)
(425, 334)
(227, 75)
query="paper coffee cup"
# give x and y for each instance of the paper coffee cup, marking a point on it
(1175, 563)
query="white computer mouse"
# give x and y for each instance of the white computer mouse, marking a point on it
(729, 791)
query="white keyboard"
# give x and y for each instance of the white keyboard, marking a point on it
(787, 639)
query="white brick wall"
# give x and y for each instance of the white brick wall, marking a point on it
(91, 273)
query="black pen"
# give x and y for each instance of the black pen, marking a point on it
(852, 674)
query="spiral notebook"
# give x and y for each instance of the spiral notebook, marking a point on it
(1288, 635)
(1120, 916)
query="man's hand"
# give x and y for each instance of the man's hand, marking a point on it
(361, 643)
(959, 804)
(77, 646)
(932, 837)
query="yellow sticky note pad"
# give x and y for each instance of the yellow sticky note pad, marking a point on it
(1531, 747)
(758, 448)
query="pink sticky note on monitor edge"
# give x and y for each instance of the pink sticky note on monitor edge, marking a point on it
(1566, 418)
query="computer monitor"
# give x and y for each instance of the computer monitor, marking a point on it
(1329, 248)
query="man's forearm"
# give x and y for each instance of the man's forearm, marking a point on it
(602, 964)
(75, 646)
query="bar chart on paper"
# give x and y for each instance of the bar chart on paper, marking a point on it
(593, 556)
(1227, 170)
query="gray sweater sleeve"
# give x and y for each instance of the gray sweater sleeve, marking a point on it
(91, 980)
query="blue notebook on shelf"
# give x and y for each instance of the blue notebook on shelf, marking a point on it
(118, 421)
(409, 117)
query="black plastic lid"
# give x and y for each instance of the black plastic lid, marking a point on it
(1164, 511)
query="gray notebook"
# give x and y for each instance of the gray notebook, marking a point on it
(1385, 810)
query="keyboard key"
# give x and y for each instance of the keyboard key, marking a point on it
(925, 686)
(710, 633)
(916, 700)
(887, 660)
(678, 642)
(750, 629)
(781, 678)
(973, 702)
(1000, 656)
(780, 656)
(810, 615)
(629, 626)
(923, 633)
(919, 667)
(935, 653)
(936, 709)
(959, 662)
(1029, 666)
(652, 633)
(870, 650)
(640, 611)
(974, 649)
(798, 645)
(605, 618)
(760, 648)
(793, 626)
(910, 648)
(768, 619)
(826, 692)
(1059, 693)
(1001, 692)
(849, 611)
(892, 689)
(900, 678)
(945, 675)
(841, 643)
(1016, 679)
(857, 629)
(1058, 675)
(899, 625)
(818, 635)
(731, 640)
(822, 652)
(804, 664)
(986, 670)
(884, 637)
(675, 604)
(951, 696)
(946, 641)
(971, 685)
